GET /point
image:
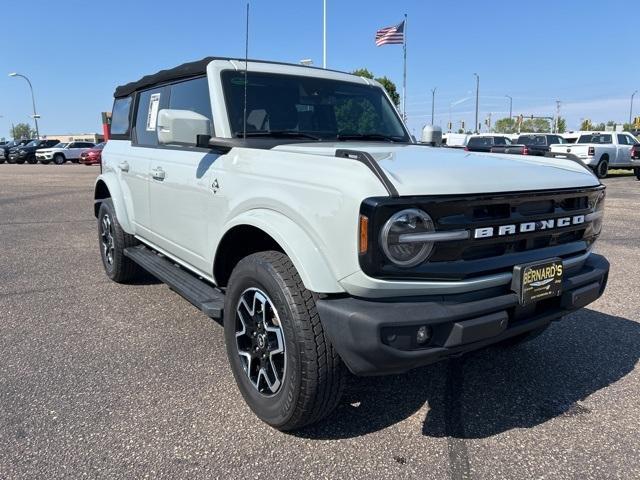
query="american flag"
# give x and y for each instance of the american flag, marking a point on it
(390, 35)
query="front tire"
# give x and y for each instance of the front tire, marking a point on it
(602, 169)
(113, 240)
(284, 364)
(32, 160)
(636, 171)
(59, 159)
(45, 162)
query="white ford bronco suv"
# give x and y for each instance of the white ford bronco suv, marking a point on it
(291, 203)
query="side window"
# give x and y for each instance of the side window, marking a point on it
(150, 102)
(499, 141)
(120, 117)
(631, 140)
(192, 95)
(622, 139)
(73, 145)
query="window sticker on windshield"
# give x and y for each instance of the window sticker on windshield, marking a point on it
(152, 117)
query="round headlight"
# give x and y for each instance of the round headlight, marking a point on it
(396, 240)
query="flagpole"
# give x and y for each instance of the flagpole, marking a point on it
(404, 78)
(324, 34)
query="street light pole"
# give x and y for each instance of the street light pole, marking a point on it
(433, 103)
(510, 106)
(33, 101)
(475, 128)
(631, 107)
(324, 34)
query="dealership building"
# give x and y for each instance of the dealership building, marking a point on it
(77, 137)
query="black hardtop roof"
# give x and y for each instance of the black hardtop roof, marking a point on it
(186, 70)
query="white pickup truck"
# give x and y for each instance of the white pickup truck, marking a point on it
(600, 151)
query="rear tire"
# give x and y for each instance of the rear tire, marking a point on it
(636, 171)
(59, 159)
(45, 162)
(32, 160)
(602, 169)
(20, 161)
(289, 389)
(113, 240)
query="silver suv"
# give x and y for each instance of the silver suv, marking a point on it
(291, 203)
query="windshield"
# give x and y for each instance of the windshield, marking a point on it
(100, 146)
(33, 143)
(312, 108)
(60, 145)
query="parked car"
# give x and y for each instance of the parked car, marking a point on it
(329, 244)
(62, 152)
(635, 159)
(93, 156)
(600, 151)
(27, 153)
(530, 144)
(484, 143)
(6, 148)
(455, 140)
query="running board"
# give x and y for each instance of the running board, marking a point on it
(207, 298)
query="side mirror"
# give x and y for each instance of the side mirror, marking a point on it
(181, 127)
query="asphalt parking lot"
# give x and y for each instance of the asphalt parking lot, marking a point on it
(100, 380)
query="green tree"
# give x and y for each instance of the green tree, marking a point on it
(388, 85)
(600, 126)
(506, 125)
(536, 125)
(391, 89)
(22, 130)
(586, 125)
(562, 125)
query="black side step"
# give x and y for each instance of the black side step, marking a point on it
(207, 298)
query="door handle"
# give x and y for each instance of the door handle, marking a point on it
(157, 173)
(124, 166)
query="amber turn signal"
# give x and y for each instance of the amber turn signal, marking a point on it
(364, 235)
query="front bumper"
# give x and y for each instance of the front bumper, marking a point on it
(376, 337)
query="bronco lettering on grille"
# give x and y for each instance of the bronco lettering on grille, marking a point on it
(527, 227)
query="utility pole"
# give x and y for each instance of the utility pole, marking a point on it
(324, 34)
(475, 128)
(433, 103)
(510, 106)
(631, 107)
(557, 116)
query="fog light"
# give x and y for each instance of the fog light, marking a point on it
(423, 335)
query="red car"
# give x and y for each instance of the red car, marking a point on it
(93, 156)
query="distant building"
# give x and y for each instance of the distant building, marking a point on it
(77, 137)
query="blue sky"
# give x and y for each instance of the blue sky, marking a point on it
(77, 52)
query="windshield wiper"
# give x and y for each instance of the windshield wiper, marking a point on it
(279, 133)
(369, 136)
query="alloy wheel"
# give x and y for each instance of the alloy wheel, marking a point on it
(260, 341)
(106, 237)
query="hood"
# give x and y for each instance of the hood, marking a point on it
(423, 170)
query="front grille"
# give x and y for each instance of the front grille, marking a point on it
(481, 256)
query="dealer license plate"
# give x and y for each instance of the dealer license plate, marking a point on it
(537, 281)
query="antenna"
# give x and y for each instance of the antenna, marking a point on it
(246, 68)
